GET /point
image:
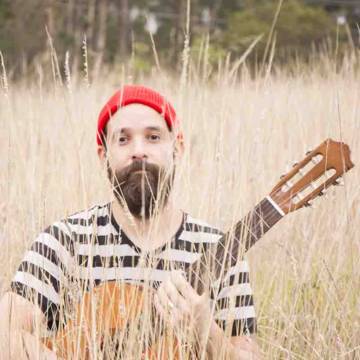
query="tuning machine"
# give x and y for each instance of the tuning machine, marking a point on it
(339, 181)
(309, 152)
(309, 204)
(288, 168)
(322, 193)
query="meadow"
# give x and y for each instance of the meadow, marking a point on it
(241, 133)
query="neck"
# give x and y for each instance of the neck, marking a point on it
(152, 232)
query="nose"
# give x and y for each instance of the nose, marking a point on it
(141, 157)
(139, 152)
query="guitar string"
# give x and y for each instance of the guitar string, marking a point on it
(261, 208)
(246, 230)
(251, 231)
(244, 227)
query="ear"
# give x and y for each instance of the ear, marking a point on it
(101, 151)
(179, 146)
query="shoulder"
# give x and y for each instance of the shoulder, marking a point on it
(87, 216)
(91, 218)
(80, 225)
(84, 217)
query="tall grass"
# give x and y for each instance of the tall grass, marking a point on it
(241, 133)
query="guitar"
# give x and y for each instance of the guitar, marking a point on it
(107, 310)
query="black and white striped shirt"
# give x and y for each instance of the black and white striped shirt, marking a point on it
(90, 247)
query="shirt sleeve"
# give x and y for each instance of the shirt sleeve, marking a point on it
(234, 303)
(43, 271)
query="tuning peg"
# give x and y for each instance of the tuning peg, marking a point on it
(309, 204)
(295, 163)
(322, 192)
(282, 176)
(308, 152)
(339, 181)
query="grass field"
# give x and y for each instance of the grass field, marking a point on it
(241, 134)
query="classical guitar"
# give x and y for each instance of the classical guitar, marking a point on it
(108, 309)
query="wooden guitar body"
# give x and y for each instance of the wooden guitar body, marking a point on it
(104, 313)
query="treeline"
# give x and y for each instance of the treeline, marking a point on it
(120, 31)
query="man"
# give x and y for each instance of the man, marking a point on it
(140, 237)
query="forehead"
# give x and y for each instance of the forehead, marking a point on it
(137, 117)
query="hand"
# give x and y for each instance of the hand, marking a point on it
(180, 305)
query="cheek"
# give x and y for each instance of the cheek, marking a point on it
(117, 159)
(166, 157)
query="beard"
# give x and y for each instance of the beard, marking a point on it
(143, 187)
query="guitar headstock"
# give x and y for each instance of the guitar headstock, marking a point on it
(321, 168)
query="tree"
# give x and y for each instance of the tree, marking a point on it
(124, 28)
(298, 27)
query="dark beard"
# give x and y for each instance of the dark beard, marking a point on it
(143, 192)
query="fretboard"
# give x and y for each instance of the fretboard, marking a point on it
(245, 233)
(233, 244)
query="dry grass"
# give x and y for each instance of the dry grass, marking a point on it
(241, 134)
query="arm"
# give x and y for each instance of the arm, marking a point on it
(20, 325)
(37, 290)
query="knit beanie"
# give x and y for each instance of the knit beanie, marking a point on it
(130, 94)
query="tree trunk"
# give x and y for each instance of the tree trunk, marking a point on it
(179, 8)
(91, 24)
(49, 18)
(124, 28)
(100, 42)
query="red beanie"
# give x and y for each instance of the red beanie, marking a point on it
(130, 94)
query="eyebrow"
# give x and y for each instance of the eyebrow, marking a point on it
(124, 130)
(154, 128)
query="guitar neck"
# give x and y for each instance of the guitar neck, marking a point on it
(241, 237)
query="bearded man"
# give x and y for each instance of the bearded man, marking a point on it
(139, 144)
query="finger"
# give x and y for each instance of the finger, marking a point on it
(182, 285)
(165, 310)
(158, 306)
(161, 310)
(164, 299)
(171, 315)
(175, 297)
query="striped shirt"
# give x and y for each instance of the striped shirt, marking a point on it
(90, 247)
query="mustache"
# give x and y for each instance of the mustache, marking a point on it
(121, 177)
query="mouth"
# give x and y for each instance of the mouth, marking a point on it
(139, 171)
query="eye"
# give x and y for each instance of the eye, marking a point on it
(154, 137)
(122, 140)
